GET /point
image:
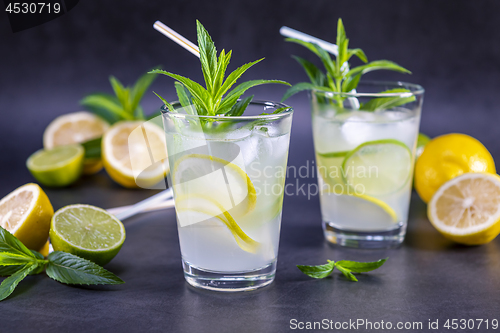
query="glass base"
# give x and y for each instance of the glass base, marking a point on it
(364, 240)
(229, 281)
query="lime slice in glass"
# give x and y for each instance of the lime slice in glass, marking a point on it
(88, 232)
(330, 167)
(378, 167)
(57, 167)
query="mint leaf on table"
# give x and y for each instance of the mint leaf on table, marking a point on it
(215, 98)
(9, 243)
(70, 269)
(338, 77)
(92, 148)
(9, 284)
(319, 271)
(344, 266)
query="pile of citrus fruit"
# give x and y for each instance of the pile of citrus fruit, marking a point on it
(456, 176)
(83, 230)
(124, 147)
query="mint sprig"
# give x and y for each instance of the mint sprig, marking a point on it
(345, 266)
(215, 98)
(17, 262)
(338, 76)
(124, 104)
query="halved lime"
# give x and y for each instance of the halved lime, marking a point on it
(88, 232)
(57, 167)
(378, 167)
(330, 167)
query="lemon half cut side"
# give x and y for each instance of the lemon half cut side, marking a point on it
(466, 209)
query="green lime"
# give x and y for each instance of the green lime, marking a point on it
(330, 167)
(88, 232)
(378, 167)
(57, 167)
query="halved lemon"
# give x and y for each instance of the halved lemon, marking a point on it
(223, 181)
(76, 127)
(26, 213)
(134, 154)
(466, 209)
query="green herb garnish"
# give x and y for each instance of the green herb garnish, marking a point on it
(17, 262)
(215, 98)
(124, 105)
(345, 266)
(339, 78)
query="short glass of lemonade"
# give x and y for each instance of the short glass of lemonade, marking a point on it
(228, 210)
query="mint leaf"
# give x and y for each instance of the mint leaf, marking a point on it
(208, 56)
(319, 271)
(9, 243)
(92, 148)
(240, 107)
(9, 270)
(377, 65)
(301, 87)
(139, 89)
(185, 98)
(9, 259)
(384, 103)
(314, 73)
(121, 93)
(233, 77)
(360, 267)
(70, 269)
(9, 284)
(344, 266)
(104, 102)
(347, 273)
(169, 106)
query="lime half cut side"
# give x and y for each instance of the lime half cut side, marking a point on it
(88, 232)
(378, 168)
(58, 166)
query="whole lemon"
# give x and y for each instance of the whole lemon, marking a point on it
(446, 157)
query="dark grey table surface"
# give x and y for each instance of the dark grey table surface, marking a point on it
(427, 278)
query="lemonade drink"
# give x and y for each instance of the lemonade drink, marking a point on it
(365, 165)
(228, 202)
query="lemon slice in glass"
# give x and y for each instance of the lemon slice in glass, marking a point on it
(330, 167)
(26, 213)
(224, 181)
(195, 208)
(378, 168)
(466, 209)
(88, 232)
(57, 167)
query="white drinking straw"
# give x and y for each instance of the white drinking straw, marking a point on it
(170, 33)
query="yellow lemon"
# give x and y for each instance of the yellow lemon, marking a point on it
(26, 213)
(447, 157)
(466, 209)
(134, 154)
(76, 127)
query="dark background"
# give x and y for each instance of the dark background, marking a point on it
(453, 50)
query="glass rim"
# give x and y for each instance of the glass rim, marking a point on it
(415, 90)
(165, 111)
